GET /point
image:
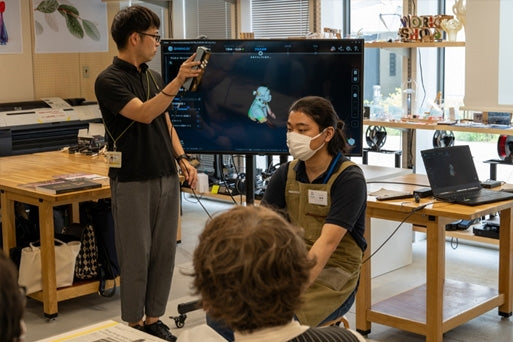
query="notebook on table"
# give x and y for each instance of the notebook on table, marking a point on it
(453, 177)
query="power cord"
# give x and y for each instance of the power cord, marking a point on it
(454, 243)
(422, 80)
(413, 211)
(238, 179)
(223, 179)
(200, 203)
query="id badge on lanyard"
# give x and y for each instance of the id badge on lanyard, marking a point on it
(113, 159)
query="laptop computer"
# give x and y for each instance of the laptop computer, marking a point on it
(453, 177)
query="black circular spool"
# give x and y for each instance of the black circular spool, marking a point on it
(376, 137)
(442, 138)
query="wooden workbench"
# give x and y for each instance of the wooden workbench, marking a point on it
(18, 170)
(440, 304)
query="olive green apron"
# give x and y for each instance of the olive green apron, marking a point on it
(339, 277)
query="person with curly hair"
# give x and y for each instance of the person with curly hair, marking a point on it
(250, 268)
(12, 302)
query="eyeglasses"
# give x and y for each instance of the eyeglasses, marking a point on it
(155, 36)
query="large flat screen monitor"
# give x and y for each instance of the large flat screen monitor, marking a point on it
(241, 105)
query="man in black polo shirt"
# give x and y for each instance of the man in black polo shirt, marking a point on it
(143, 148)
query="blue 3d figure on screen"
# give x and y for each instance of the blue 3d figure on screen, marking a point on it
(260, 109)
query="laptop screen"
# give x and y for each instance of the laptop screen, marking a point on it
(450, 169)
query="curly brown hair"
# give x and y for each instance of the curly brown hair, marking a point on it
(250, 268)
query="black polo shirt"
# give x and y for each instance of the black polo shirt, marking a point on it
(348, 196)
(146, 148)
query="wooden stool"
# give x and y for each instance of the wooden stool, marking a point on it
(337, 321)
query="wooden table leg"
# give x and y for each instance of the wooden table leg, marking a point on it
(506, 262)
(75, 212)
(48, 275)
(363, 296)
(8, 225)
(435, 277)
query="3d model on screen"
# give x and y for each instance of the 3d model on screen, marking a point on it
(260, 109)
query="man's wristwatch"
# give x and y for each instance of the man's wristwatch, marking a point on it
(183, 156)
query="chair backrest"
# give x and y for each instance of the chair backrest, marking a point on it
(337, 322)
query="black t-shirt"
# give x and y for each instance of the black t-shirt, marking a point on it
(348, 196)
(146, 148)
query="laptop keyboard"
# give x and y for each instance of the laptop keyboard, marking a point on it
(474, 196)
(463, 196)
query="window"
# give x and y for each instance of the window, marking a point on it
(383, 76)
(454, 78)
(280, 18)
(211, 18)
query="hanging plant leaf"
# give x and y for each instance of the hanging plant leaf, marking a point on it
(91, 30)
(38, 27)
(74, 26)
(51, 21)
(47, 6)
(65, 10)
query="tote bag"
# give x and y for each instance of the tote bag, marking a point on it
(86, 266)
(87, 259)
(30, 265)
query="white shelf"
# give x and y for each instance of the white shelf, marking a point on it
(413, 44)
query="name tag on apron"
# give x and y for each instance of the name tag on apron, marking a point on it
(318, 197)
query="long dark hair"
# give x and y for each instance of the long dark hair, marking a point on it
(323, 113)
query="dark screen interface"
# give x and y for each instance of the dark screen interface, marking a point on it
(242, 102)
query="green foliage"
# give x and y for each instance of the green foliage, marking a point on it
(91, 30)
(71, 14)
(47, 6)
(392, 100)
(75, 24)
(67, 10)
(476, 137)
(74, 27)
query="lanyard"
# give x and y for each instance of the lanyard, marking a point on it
(130, 125)
(330, 171)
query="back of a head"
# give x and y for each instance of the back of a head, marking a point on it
(11, 301)
(250, 268)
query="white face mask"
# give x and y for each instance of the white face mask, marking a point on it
(299, 145)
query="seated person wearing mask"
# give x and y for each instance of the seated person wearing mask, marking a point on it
(325, 194)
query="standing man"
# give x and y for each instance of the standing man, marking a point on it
(143, 148)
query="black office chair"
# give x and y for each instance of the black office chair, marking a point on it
(183, 309)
